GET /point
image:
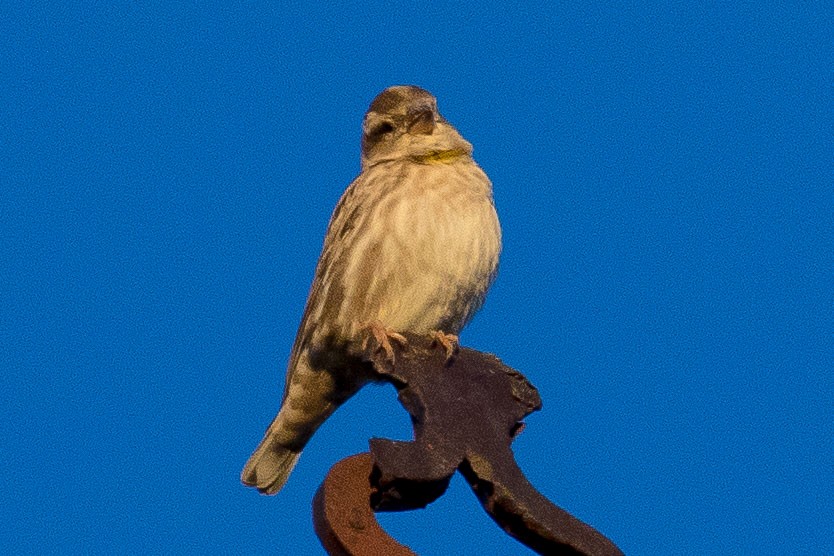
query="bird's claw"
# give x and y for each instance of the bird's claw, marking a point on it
(383, 338)
(450, 342)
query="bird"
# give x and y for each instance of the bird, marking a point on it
(411, 248)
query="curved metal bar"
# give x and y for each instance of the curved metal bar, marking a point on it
(466, 412)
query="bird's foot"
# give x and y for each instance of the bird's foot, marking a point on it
(382, 336)
(449, 341)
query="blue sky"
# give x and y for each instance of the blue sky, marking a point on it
(663, 177)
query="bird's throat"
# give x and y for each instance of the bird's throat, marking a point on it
(440, 157)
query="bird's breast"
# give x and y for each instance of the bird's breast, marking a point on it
(430, 250)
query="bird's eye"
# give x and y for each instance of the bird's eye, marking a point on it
(381, 129)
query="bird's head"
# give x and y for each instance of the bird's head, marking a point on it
(403, 123)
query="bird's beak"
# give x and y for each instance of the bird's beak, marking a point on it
(422, 121)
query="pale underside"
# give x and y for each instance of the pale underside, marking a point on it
(420, 258)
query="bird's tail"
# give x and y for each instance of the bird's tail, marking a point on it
(310, 397)
(269, 466)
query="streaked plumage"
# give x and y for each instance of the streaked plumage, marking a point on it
(412, 246)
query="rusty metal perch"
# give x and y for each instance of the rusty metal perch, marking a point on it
(465, 413)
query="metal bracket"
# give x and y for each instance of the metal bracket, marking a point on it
(465, 413)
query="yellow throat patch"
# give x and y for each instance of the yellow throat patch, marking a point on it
(440, 157)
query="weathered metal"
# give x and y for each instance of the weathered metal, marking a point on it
(466, 412)
(343, 518)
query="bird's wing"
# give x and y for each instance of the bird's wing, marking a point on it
(326, 288)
